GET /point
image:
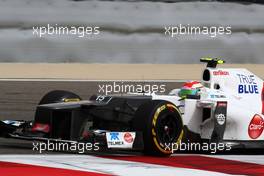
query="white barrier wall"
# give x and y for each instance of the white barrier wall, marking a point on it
(129, 32)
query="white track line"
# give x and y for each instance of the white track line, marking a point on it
(103, 165)
(256, 159)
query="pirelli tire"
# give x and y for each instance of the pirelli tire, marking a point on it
(162, 126)
(59, 96)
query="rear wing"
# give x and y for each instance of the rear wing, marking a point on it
(212, 62)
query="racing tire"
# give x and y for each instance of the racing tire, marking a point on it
(58, 96)
(162, 127)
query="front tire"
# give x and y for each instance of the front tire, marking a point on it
(59, 96)
(161, 124)
(56, 96)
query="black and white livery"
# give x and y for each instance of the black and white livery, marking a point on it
(228, 109)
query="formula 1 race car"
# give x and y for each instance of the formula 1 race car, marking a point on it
(227, 107)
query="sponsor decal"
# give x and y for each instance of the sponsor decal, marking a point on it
(221, 73)
(128, 138)
(41, 127)
(114, 136)
(255, 127)
(221, 104)
(217, 96)
(120, 139)
(247, 84)
(220, 119)
(220, 116)
(71, 99)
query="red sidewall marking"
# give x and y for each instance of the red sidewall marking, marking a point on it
(16, 169)
(200, 163)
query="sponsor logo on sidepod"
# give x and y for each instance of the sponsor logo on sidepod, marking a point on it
(247, 84)
(221, 73)
(220, 119)
(128, 138)
(255, 127)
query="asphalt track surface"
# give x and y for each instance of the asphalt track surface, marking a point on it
(18, 99)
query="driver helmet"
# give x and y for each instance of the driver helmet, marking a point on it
(190, 88)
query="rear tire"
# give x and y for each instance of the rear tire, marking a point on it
(161, 124)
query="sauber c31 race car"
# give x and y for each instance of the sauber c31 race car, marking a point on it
(228, 108)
